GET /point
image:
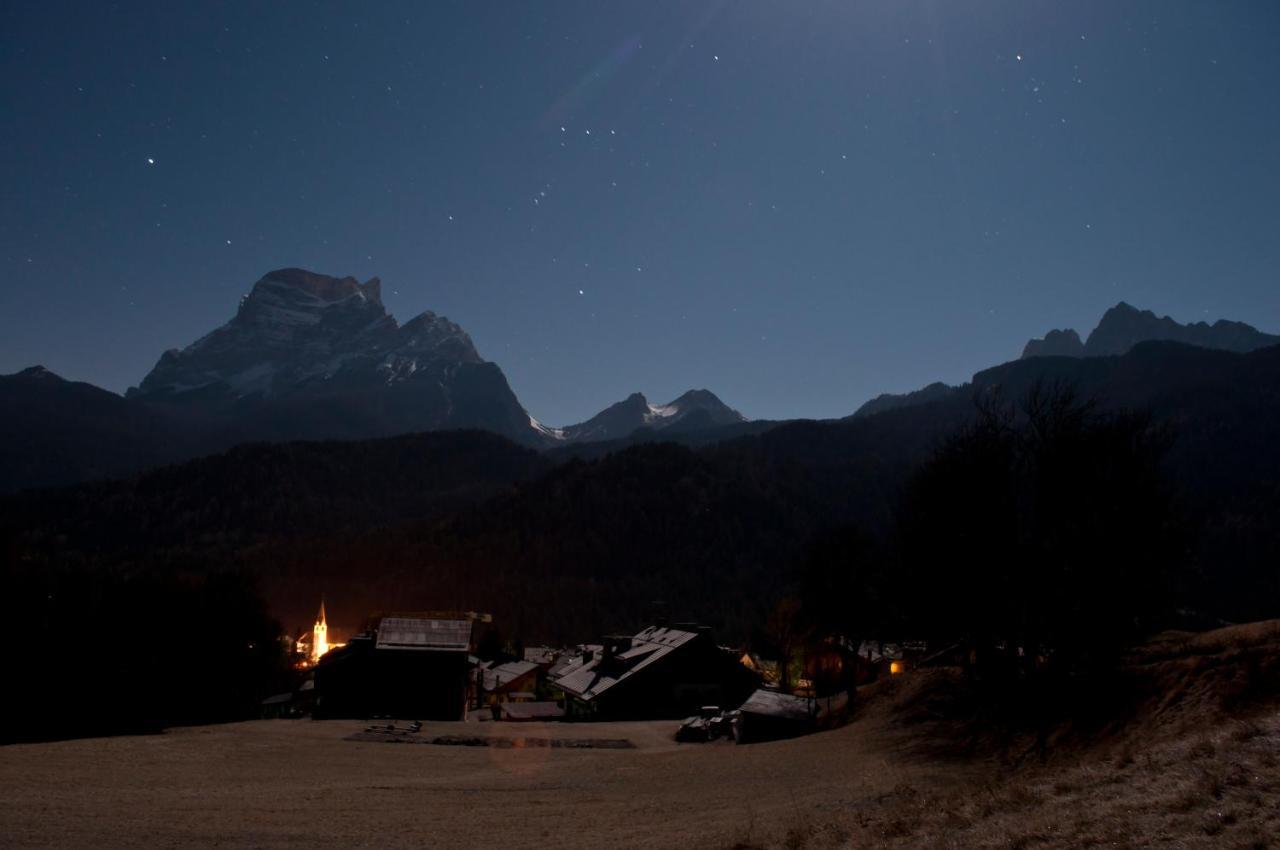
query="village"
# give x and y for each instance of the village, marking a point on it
(408, 667)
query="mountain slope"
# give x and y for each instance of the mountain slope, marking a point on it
(936, 391)
(279, 489)
(55, 431)
(580, 546)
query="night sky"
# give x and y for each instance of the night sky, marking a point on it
(797, 205)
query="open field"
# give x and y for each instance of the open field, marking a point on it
(1197, 765)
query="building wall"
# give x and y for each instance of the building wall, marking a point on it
(407, 684)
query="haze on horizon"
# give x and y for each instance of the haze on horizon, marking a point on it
(797, 208)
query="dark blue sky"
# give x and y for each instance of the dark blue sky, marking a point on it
(797, 205)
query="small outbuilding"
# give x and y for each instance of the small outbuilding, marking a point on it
(500, 683)
(769, 715)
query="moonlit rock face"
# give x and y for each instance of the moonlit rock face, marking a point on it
(297, 329)
(309, 356)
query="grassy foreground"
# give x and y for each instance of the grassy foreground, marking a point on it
(1191, 760)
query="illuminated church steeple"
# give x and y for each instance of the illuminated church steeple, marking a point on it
(319, 635)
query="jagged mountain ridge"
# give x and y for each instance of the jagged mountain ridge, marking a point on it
(1121, 328)
(694, 409)
(306, 356)
(312, 356)
(1056, 343)
(1124, 326)
(301, 339)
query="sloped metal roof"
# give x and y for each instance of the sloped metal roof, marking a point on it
(774, 704)
(505, 674)
(588, 681)
(424, 634)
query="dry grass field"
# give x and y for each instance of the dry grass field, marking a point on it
(1194, 763)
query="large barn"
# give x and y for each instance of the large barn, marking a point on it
(410, 666)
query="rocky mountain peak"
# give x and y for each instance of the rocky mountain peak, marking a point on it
(321, 286)
(326, 345)
(1056, 343)
(38, 373)
(1124, 326)
(693, 409)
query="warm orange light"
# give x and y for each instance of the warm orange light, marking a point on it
(319, 636)
(895, 667)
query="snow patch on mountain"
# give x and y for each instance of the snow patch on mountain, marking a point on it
(693, 409)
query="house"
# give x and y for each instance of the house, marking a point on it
(570, 659)
(410, 665)
(830, 666)
(771, 715)
(877, 658)
(768, 670)
(660, 672)
(499, 682)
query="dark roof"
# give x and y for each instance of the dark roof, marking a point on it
(505, 674)
(589, 680)
(424, 633)
(570, 660)
(541, 654)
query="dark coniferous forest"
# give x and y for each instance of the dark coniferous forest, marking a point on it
(1067, 506)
